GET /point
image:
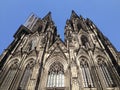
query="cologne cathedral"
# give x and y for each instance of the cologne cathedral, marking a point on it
(38, 59)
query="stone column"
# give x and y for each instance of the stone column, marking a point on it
(75, 84)
(74, 78)
(33, 79)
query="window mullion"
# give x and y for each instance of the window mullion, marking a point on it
(108, 76)
(8, 79)
(89, 77)
(62, 80)
(54, 80)
(50, 80)
(104, 74)
(48, 83)
(57, 80)
(83, 75)
(57, 76)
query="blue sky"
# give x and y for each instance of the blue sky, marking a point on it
(104, 13)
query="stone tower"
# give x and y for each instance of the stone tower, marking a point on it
(38, 59)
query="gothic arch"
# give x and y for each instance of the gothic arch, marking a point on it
(11, 61)
(27, 73)
(85, 58)
(56, 75)
(83, 34)
(85, 41)
(81, 55)
(99, 52)
(9, 74)
(85, 70)
(106, 59)
(104, 72)
(100, 57)
(47, 65)
(27, 70)
(86, 34)
(52, 60)
(7, 66)
(28, 60)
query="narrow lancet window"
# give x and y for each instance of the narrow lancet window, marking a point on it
(84, 41)
(26, 76)
(79, 26)
(9, 77)
(105, 73)
(86, 75)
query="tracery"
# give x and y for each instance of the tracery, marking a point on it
(56, 75)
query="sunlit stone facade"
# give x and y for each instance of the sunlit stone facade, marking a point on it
(38, 59)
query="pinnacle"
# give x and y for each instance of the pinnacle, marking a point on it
(48, 17)
(74, 15)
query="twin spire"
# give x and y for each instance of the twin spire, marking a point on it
(33, 18)
(48, 17)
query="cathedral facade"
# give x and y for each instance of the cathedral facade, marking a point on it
(38, 59)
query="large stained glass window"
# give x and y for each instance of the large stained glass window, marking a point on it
(56, 75)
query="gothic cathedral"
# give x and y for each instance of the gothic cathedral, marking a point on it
(38, 59)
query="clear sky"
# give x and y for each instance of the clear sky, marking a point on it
(104, 13)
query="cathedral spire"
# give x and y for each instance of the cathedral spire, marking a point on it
(74, 15)
(48, 17)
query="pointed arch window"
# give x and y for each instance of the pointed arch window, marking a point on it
(105, 73)
(84, 41)
(9, 77)
(26, 76)
(40, 28)
(56, 75)
(86, 75)
(79, 26)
